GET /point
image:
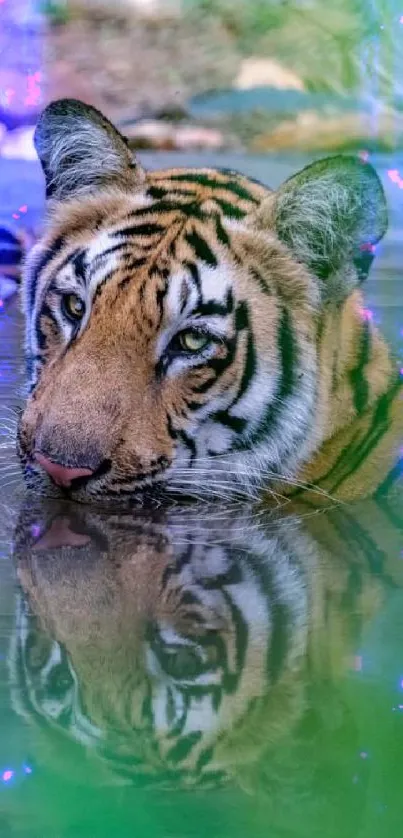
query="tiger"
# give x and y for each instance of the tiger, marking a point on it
(184, 648)
(191, 332)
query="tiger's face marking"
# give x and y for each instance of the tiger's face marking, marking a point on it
(174, 318)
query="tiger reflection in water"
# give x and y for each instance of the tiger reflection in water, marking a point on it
(176, 647)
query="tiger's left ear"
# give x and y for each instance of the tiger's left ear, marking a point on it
(330, 215)
(81, 152)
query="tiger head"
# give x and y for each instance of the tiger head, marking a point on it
(173, 319)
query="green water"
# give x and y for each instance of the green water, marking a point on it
(201, 673)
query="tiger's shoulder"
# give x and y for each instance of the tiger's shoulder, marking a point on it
(363, 459)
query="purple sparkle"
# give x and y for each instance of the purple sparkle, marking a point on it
(27, 769)
(35, 530)
(394, 176)
(7, 776)
(367, 314)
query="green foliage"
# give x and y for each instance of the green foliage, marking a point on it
(56, 11)
(332, 46)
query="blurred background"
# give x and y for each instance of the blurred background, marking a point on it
(262, 86)
(252, 75)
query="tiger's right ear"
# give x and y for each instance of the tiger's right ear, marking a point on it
(82, 152)
(330, 215)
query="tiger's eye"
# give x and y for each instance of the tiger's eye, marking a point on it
(73, 306)
(193, 341)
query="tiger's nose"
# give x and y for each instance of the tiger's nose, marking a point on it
(61, 475)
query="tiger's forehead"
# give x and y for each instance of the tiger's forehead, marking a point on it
(114, 238)
(138, 243)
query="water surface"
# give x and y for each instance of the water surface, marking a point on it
(194, 672)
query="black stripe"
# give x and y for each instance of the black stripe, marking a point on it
(211, 307)
(221, 233)
(201, 248)
(234, 423)
(204, 759)
(101, 284)
(195, 274)
(379, 426)
(79, 265)
(183, 747)
(360, 447)
(136, 263)
(230, 210)
(40, 336)
(157, 192)
(150, 229)
(115, 248)
(286, 386)
(260, 280)
(41, 264)
(357, 378)
(189, 444)
(231, 679)
(69, 259)
(172, 207)
(353, 534)
(208, 180)
(279, 639)
(160, 298)
(249, 369)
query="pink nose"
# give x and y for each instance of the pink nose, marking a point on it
(61, 475)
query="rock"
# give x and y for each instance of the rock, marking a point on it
(316, 131)
(265, 72)
(143, 8)
(216, 103)
(18, 144)
(166, 136)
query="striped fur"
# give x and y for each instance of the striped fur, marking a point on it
(189, 648)
(291, 371)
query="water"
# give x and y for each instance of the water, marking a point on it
(195, 672)
(200, 673)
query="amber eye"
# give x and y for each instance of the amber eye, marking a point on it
(193, 341)
(73, 307)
